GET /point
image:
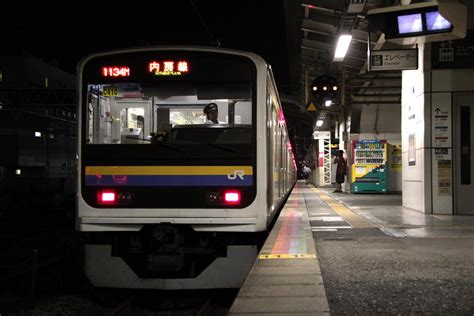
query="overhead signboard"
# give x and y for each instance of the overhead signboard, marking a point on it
(422, 22)
(386, 60)
(321, 135)
(454, 54)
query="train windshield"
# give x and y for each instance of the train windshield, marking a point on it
(169, 98)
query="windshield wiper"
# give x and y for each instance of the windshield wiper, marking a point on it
(161, 143)
(232, 150)
(172, 147)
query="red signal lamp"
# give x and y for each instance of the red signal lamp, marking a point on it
(232, 197)
(106, 197)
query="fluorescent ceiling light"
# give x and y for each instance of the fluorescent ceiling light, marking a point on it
(328, 103)
(37, 134)
(319, 123)
(342, 46)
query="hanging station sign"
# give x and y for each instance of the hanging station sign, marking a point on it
(386, 60)
(321, 135)
(454, 54)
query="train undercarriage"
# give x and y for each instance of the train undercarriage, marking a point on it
(170, 257)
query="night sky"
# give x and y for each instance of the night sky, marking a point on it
(66, 33)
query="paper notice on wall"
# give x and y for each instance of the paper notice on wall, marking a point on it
(442, 153)
(441, 124)
(444, 177)
(411, 141)
(396, 158)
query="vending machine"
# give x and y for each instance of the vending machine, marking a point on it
(369, 166)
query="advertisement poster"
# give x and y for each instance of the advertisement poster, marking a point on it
(396, 158)
(444, 177)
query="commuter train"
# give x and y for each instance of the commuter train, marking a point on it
(164, 200)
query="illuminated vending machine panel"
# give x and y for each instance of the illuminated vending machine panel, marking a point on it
(369, 166)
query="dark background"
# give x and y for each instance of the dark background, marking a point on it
(37, 205)
(66, 32)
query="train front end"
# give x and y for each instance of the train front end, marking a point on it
(165, 199)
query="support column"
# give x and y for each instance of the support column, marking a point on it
(416, 142)
(324, 157)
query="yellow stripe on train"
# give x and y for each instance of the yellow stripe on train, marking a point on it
(169, 170)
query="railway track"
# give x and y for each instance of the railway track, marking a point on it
(150, 302)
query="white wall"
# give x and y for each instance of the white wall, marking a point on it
(380, 118)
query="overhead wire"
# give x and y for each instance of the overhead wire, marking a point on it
(212, 36)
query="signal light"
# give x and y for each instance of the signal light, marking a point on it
(232, 197)
(106, 197)
(324, 87)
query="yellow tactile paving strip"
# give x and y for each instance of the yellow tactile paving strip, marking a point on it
(347, 215)
(287, 256)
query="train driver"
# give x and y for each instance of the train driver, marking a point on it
(212, 114)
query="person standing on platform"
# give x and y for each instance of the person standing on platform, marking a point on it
(341, 170)
(306, 172)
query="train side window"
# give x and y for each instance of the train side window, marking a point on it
(186, 116)
(243, 112)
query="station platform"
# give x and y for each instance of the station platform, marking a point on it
(286, 278)
(356, 254)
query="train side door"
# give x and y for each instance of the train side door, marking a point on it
(275, 165)
(282, 161)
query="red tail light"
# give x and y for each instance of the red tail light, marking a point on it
(106, 197)
(232, 197)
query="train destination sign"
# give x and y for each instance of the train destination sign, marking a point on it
(115, 71)
(168, 68)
